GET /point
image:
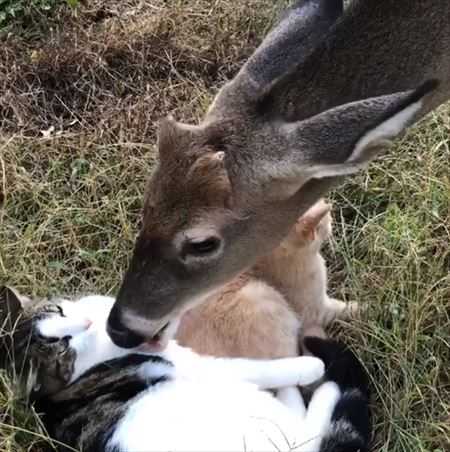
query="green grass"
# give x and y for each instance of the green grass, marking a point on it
(71, 198)
(392, 253)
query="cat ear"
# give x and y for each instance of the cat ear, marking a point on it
(10, 313)
(312, 217)
(10, 309)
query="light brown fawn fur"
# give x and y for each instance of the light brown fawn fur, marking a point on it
(324, 94)
(262, 313)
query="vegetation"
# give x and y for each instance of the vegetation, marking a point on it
(24, 11)
(79, 100)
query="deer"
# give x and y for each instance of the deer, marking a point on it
(326, 92)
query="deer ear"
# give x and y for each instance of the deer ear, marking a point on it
(300, 30)
(173, 136)
(341, 141)
(10, 309)
(291, 41)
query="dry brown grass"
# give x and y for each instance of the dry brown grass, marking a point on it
(79, 100)
(114, 70)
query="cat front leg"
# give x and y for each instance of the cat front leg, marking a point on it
(277, 373)
(292, 399)
(266, 374)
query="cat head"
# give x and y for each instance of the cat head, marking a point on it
(311, 229)
(40, 342)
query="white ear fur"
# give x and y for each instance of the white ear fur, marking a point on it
(290, 182)
(58, 326)
(290, 178)
(378, 137)
(384, 132)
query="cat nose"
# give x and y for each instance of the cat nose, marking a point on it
(121, 335)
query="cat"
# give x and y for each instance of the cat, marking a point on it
(262, 312)
(297, 269)
(94, 396)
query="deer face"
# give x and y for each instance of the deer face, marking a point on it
(228, 190)
(200, 228)
(188, 224)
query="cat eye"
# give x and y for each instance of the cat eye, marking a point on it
(52, 308)
(47, 339)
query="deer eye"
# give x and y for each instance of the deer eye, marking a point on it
(200, 248)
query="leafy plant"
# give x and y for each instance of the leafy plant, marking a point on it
(17, 10)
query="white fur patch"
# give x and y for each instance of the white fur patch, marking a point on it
(136, 322)
(318, 416)
(386, 130)
(206, 415)
(152, 370)
(76, 317)
(93, 345)
(59, 327)
(292, 399)
(205, 408)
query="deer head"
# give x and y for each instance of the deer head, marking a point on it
(228, 190)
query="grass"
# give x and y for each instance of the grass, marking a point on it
(78, 104)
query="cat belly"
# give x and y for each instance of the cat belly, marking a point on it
(204, 416)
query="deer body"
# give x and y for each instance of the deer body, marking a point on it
(322, 95)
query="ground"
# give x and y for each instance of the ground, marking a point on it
(80, 94)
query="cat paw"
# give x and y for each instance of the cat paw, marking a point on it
(346, 311)
(312, 369)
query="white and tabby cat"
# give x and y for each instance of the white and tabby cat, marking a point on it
(95, 396)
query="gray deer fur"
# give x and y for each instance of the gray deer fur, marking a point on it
(322, 95)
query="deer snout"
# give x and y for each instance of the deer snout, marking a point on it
(121, 335)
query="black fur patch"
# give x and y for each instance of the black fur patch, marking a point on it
(353, 407)
(351, 422)
(342, 366)
(101, 441)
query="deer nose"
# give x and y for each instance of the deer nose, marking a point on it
(121, 335)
